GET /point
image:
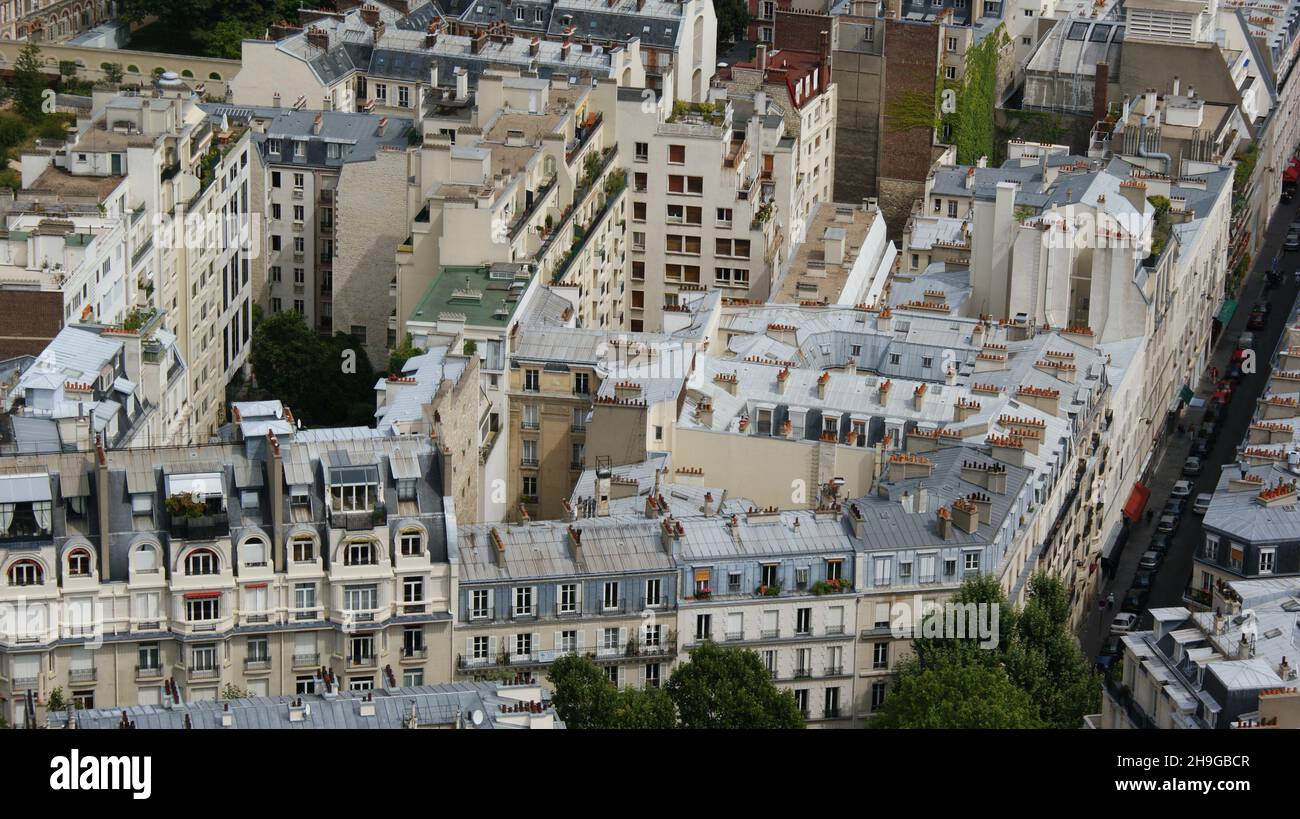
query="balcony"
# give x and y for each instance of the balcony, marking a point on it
(81, 675)
(414, 654)
(204, 673)
(568, 609)
(834, 671)
(523, 613)
(148, 672)
(802, 673)
(735, 636)
(25, 683)
(356, 521)
(301, 661)
(253, 664)
(362, 661)
(204, 527)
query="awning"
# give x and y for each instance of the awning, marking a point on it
(1186, 394)
(203, 595)
(1137, 501)
(1225, 312)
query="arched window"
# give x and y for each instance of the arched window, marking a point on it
(359, 553)
(202, 561)
(303, 548)
(144, 559)
(411, 542)
(26, 573)
(79, 563)
(214, 76)
(253, 552)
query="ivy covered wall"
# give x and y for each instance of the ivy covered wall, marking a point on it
(976, 94)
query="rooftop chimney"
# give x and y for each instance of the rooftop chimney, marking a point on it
(761, 57)
(102, 496)
(943, 519)
(275, 469)
(316, 124)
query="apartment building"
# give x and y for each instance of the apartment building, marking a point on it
(577, 396)
(52, 20)
(185, 212)
(781, 584)
(704, 221)
(536, 173)
(394, 58)
(127, 388)
(530, 594)
(315, 172)
(446, 706)
(280, 562)
(1225, 669)
(676, 38)
(66, 235)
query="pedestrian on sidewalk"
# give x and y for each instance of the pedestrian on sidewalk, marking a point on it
(1110, 600)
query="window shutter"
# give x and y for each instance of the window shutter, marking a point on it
(469, 647)
(537, 642)
(622, 642)
(581, 633)
(492, 648)
(533, 601)
(559, 642)
(492, 604)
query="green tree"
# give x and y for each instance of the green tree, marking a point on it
(350, 398)
(733, 18)
(29, 82)
(226, 38)
(1046, 661)
(56, 701)
(582, 694)
(286, 357)
(399, 355)
(13, 131)
(954, 695)
(729, 688)
(639, 708)
(112, 72)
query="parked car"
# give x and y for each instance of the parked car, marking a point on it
(1201, 448)
(1135, 601)
(1160, 542)
(1150, 560)
(1208, 430)
(1175, 507)
(1292, 242)
(1246, 341)
(1183, 489)
(1258, 320)
(1191, 467)
(1123, 623)
(1112, 647)
(1202, 504)
(1168, 523)
(1143, 579)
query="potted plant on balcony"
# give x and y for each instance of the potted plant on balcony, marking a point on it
(633, 646)
(766, 590)
(703, 594)
(185, 506)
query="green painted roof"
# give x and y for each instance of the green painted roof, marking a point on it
(486, 297)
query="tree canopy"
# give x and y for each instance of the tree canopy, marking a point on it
(326, 382)
(717, 688)
(1037, 665)
(733, 18)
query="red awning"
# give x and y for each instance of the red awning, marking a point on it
(256, 586)
(206, 595)
(1137, 501)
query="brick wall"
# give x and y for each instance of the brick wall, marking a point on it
(31, 320)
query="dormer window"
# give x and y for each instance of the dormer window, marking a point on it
(201, 562)
(26, 573)
(79, 563)
(359, 553)
(303, 549)
(142, 504)
(248, 499)
(354, 488)
(25, 506)
(412, 544)
(253, 552)
(406, 490)
(273, 146)
(299, 496)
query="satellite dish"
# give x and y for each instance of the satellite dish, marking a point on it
(477, 717)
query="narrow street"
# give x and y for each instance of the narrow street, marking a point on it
(1173, 576)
